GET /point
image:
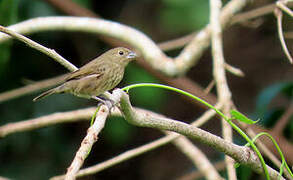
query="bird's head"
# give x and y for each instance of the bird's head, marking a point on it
(121, 55)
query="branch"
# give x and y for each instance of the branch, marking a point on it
(31, 88)
(88, 142)
(135, 38)
(44, 121)
(282, 4)
(198, 158)
(139, 150)
(191, 53)
(148, 49)
(279, 16)
(77, 115)
(241, 154)
(224, 94)
(50, 52)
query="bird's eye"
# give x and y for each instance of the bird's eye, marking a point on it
(121, 53)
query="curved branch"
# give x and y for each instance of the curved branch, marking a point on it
(135, 38)
(148, 49)
(193, 51)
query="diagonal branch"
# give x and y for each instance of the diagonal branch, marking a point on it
(44, 121)
(50, 52)
(241, 154)
(30, 88)
(87, 142)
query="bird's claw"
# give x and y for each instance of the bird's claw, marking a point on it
(108, 102)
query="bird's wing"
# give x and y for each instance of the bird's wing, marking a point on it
(81, 73)
(93, 67)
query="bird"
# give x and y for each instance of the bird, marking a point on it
(96, 77)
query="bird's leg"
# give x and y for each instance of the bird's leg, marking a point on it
(99, 99)
(107, 102)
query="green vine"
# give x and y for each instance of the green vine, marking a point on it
(284, 163)
(234, 115)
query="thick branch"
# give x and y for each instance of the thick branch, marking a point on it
(241, 154)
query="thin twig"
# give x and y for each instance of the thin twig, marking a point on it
(48, 120)
(279, 15)
(176, 43)
(87, 143)
(252, 14)
(31, 88)
(210, 86)
(50, 52)
(234, 70)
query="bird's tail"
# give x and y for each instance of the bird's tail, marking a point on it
(45, 94)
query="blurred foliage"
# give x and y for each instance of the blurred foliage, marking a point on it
(8, 12)
(118, 132)
(32, 8)
(84, 3)
(150, 98)
(184, 15)
(269, 114)
(8, 15)
(244, 172)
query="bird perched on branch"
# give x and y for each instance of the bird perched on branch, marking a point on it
(98, 76)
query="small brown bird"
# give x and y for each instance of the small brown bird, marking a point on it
(93, 79)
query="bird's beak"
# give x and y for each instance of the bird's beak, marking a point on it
(131, 55)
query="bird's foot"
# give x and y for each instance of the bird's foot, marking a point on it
(108, 102)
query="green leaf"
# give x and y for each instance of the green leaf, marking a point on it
(241, 117)
(237, 165)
